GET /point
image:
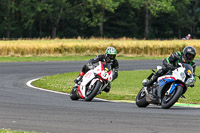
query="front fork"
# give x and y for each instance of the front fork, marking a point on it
(172, 88)
(102, 87)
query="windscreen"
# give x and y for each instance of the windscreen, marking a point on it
(106, 66)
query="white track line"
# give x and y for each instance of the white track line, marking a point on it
(29, 84)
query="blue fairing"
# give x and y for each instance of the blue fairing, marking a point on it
(173, 87)
(165, 81)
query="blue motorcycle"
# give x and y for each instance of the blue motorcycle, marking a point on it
(168, 88)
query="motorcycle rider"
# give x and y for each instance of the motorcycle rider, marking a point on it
(109, 57)
(171, 62)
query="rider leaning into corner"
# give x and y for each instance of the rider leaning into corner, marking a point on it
(171, 63)
(109, 57)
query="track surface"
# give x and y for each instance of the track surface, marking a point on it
(25, 108)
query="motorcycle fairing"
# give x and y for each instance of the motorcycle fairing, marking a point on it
(86, 79)
(172, 88)
(165, 79)
(80, 92)
(105, 72)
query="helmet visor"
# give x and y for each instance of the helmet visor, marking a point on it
(190, 56)
(111, 57)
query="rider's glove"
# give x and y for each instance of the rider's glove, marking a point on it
(170, 66)
(173, 68)
(90, 65)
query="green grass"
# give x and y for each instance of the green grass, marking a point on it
(68, 58)
(125, 87)
(10, 131)
(44, 58)
(73, 58)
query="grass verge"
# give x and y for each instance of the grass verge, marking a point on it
(10, 131)
(125, 87)
(74, 58)
(69, 58)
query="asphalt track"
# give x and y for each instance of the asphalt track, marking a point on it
(25, 108)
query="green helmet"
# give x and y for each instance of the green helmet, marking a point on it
(110, 53)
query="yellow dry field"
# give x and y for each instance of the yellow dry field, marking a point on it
(63, 47)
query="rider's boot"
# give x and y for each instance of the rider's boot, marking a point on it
(80, 76)
(107, 89)
(159, 73)
(151, 81)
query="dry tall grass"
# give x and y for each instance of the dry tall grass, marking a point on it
(42, 47)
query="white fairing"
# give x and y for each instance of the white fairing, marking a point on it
(90, 76)
(86, 79)
(179, 74)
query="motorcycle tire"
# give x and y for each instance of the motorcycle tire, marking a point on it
(94, 91)
(169, 101)
(73, 94)
(141, 99)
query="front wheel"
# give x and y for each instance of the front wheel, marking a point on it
(90, 94)
(170, 100)
(141, 99)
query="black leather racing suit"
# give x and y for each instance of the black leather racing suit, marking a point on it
(172, 61)
(114, 65)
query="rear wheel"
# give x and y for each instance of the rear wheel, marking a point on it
(141, 99)
(73, 94)
(91, 93)
(170, 100)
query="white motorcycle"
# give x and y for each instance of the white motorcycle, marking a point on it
(93, 82)
(168, 88)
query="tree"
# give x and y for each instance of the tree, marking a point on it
(124, 22)
(197, 18)
(195, 9)
(181, 17)
(152, 7)
(56, 11)
(28, 10)
(97, 10)
(8, 17)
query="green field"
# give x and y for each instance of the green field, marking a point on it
(73, 58)
(69, 58)
(10, 131)
(125, 87)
